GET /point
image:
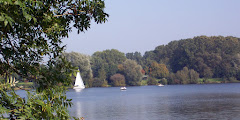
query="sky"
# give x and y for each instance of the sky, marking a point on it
(142, 25)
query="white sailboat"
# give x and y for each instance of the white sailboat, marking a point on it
(79, 82)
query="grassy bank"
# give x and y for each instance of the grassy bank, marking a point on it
(144, 82)
(25, 85)
(201, 81)
(210, 80)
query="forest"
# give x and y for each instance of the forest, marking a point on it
(201, 59)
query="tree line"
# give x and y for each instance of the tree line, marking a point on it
(178, 62)
(106, 68)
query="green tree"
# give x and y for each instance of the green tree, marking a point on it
(193, 76)
(108, 60)
(100, 81)
(49, 104)
(83, 63)
(238, 75)
(182, 75)
(152, 81)
(30, 30)
(132, 72)
(187, 76)
(135, 56)
(173, 79)
(102, 74)
(214, 56)
(207, 73)
(159, 70)
(164, 81)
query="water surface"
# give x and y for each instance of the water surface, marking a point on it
(171, 102)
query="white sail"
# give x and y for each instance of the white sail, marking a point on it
(79, 82)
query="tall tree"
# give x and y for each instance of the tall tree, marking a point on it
(100, 81)
(186, 76)
(132, 72)
(135, 56)
(159, 70)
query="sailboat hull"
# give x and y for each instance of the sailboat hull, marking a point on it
(78, 87)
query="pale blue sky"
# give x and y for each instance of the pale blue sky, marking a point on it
(142, 25)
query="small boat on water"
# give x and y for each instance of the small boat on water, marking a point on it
(160, 85)
(79, 82)
(123, 88)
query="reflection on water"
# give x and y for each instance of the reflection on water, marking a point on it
(181, 102)
(77, 110)
(78, 90)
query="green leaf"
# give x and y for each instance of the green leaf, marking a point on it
(1, 18)
(40, 102)
(35, 20)
(28, 17)
(5, 23)
(3, 109)
(16, 2)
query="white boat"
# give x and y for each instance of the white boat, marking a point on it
(161, 85)
(123, 88)
(79, 82)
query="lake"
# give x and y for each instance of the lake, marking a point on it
(171, 102)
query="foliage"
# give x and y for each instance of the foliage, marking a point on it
(238, 74)
(152, 81)
(120, 68)
(49, 104)
(107, 60)
(135, 56)
(32, 29)
(102, 76)
(211, 80)
(101, 80)
(83, 63)
(144, 82)
(97, 82)
(214, 56)
(29, 31)
(132, 72)
(173, 79)
(118, 80)
(159, 70)
(147, 65)
(25, 84)
(164, 81)
(210, 57)
(185, 76)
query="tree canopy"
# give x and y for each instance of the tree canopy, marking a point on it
(214, 56)
(31, 30)
(132, 72)
(107, 60)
